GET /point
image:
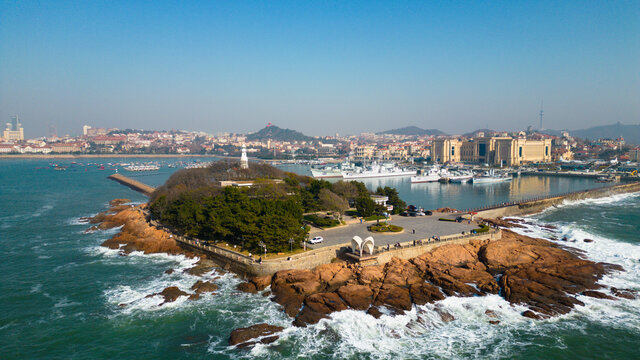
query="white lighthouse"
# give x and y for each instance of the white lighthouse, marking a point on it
(244, 161)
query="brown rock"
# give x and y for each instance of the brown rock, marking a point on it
(261, 282)
(370, 275)
(588, 240)
(494, 322)
(597, 294)
(242, 336)
(425, 293)
(170, 294)
(394, 297)
(358, 297)
(319, 306)
(247, 287)
(194, 297)
(204, 287)
(373, 311)
(136, 233)
(624, 293)
(530, 314)
(169, 271)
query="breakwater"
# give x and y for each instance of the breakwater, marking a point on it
(538, 204)
(133, 184)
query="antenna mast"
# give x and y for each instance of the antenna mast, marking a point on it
(541, 113)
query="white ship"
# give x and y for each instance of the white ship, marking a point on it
(378, 171)
(460, 177)
(432, 175)
(326, 172)
(334, 171)
(490, 177)
(142, 168)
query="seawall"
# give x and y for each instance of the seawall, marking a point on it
(536, 206)
(133, 184)
(247, 266)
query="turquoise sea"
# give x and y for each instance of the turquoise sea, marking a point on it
(60, 291)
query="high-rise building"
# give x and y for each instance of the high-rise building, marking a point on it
(495, 150)
(13, 130)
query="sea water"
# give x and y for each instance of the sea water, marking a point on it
(63, 296)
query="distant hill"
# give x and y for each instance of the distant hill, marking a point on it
(275, 133)
(413, 130)
(630, 133)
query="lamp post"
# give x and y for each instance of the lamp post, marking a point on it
(290, 244)
(262, 244)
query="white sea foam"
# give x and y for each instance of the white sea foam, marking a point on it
(618, 199)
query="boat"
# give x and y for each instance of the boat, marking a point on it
(142, 168)
(460, 177)
(378, 171)
(432, 175)
(326, 172)
(489, 177)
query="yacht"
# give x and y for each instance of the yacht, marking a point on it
(142, 168)
(489, 177)
(431, 176)
(377, 171)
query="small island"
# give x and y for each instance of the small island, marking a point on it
(227, 211)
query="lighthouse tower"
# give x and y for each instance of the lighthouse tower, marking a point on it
(244, 161)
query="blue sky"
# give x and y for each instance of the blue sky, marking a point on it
(320, 67)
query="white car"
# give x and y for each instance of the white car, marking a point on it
(316, 240)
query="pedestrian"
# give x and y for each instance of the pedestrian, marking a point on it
(414, 231)
(414, 242)
(360, 220)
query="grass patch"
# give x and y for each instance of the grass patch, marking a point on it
(385, 228)
(445, 219)
(483, 229)
(323, 222)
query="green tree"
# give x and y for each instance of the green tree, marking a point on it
(394, 199)
(365, 206)
(332, 202)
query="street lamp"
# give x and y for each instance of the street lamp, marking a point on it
(290, 244)
(262, 244)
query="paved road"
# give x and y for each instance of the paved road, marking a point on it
(425, 227)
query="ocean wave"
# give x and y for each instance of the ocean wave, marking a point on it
(617, 200)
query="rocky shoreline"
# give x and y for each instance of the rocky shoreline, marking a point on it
(536, 273)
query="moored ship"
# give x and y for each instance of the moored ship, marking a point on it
(378, 171)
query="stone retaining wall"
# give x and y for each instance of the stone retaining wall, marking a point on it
(536, 206)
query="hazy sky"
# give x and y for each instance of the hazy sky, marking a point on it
(318, 66)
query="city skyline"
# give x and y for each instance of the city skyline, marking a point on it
(320, 69)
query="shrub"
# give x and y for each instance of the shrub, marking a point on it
(321, 222)
(385, 228)
(445, 219)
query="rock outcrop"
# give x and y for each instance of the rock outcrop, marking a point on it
(249, 336)
(136, 233)
(533, 272)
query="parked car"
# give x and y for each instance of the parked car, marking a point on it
(316, 240)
